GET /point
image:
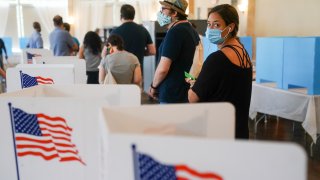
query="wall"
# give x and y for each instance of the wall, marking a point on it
(287, 18)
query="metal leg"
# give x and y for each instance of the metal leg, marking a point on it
(257, 121)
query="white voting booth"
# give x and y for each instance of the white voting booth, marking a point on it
(27, 75)
(57, 130)
(116, 95)
(29, 54)
(79, 65)
(194, 158)
(212, 120)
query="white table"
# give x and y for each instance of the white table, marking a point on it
(295, 105)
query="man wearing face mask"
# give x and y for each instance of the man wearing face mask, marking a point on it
(226, 75)
(175, 53)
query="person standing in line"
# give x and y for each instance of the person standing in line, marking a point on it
(226, 75)
(90, 51)
(123, 65)
(35, 41)
(61, 42)
(137, 39)
(2, 49)
(66, 27)
(176, 53)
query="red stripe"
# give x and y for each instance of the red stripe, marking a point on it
(40, 115)
(182, 178)
(33, 140)
(58, 132)
(68, 151)
(59, 138)
(196, 173)
(55, 126)
(72, 159)
(39, 78)
(38, 154)
(64, 145)
(36, 147)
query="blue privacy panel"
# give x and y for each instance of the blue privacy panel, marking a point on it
(247, 43)
(8, 43)
(302, 63)
(269, 60)
(23, 41)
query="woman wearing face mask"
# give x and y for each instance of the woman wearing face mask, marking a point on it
(226, 75)
(175, 53)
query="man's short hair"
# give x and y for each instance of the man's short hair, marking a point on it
(57, 20)
(37, 26)
(127, 12)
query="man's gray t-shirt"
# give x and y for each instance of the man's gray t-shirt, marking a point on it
(122, 66)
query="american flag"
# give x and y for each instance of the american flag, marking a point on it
(43, 136)
(147, 168)
(29, 81)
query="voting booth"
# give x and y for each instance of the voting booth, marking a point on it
(79, 65)
(209, 120)
(27, 75)
(143, 157)
(119, 95)
(29, 54)
(55, 132)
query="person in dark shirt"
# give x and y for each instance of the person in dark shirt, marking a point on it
(137, 39)
(226, 75)
(2, 49)
(175, 53)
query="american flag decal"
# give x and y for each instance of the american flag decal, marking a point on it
(147, 168)
(43, 136)
(29, 81)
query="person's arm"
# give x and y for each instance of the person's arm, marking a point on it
(192, 96)
(81, 52)
(40, 42)
(102, 74)
(2, 73)
(137, 76)
(160, 74)
(151, 50)
(104, 52)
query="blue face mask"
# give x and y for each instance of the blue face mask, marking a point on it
(214, 35)
(163, 19)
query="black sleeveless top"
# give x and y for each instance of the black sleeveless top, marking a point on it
(222, 81)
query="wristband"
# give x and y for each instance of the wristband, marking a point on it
(153, 86)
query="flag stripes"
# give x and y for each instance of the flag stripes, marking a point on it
(44, 136)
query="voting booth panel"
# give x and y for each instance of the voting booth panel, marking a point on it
(142, 157)
(29, 54)
(269, 60)
(25, 75)
(116, 95)
(302, 64)
(211, 120)
(79, 65)
(53, 139)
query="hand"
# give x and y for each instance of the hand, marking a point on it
(153, 93)
(190, 81)
(6, 57)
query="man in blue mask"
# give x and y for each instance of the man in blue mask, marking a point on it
(175, 53)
